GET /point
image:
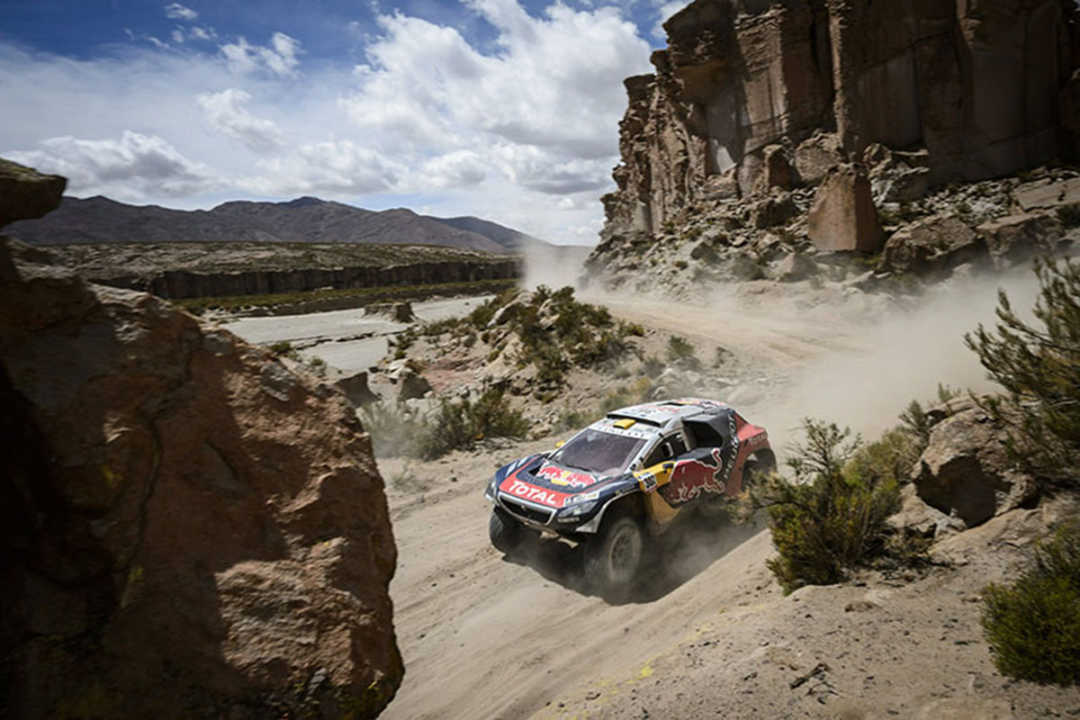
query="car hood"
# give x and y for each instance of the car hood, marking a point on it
(541, 481)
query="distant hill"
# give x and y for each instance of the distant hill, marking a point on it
(304, 220)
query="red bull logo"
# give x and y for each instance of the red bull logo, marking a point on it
(690, 478)
(566, 478)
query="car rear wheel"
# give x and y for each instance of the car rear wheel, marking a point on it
(613, 557)
(505, 532)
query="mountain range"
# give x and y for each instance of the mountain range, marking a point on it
(306, 220)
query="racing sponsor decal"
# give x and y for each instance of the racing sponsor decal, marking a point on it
(647, 481)
(567, 478)
(690, 478)
(525, 491)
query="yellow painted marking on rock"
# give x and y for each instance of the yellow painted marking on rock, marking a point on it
(646, 671)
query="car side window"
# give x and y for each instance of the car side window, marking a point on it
(669, 448)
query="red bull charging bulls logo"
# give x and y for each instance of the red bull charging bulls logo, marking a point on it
(690, 478)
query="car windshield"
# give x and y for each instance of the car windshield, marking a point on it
(598, 452)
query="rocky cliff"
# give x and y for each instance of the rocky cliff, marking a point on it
(755, 94)
(189, 529)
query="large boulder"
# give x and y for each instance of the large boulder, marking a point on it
(965, 470)
(933, 244)
(843, 216)
(189, 528)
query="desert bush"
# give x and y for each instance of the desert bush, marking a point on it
(916, 422)
(831, 517)
(632, 394)
(679, 349)
(394, 430)
(1033, 625)
(458, 425)
(283, 347)
(1039, 369)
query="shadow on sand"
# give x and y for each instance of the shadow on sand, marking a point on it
(673, 558)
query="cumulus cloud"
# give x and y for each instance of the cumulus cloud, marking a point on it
(521, 129)
(666, 10)
(553, 93)
(176, 11)
(280, 57)
(339, 166)
(136, 166)
(226, 112)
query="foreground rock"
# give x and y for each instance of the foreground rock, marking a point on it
(26, 194)
(190, 529)
(965, 470)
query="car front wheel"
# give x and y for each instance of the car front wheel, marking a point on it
(505, 532)
(613, 557)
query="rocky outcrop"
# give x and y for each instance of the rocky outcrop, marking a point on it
(843, 216)
(935, 244)
(190, 529)
(965, 470)
(26, 194)
(983, 89)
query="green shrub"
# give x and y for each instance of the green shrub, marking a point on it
(831, 517)
(1033, 626)
(916, 422)
(282, 348)
(679, 349)
(458, 425)
(394, 430)
(1039, 368)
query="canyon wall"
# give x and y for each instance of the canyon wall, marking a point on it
(179, 284)
(753, 94)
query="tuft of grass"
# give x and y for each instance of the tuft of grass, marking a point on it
(1033, 625)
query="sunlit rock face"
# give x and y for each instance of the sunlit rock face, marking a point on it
(983, 86)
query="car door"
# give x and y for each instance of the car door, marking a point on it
(694, 472)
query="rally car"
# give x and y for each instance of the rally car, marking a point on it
(625, 479)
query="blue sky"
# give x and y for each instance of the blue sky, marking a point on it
(504, 110)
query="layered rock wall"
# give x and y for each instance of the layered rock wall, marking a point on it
(983, 85)
(179, 284)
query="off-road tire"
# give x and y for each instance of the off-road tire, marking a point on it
(505, 532)
(758, 466)
(613, 557)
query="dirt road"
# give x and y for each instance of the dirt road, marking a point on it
(709, 634)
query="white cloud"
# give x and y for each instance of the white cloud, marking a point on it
(136, 166)
(335, 166)
(280, 58)
(666, 10)
(226, 112)
(522, 131)
(176, 11)
(178, 36)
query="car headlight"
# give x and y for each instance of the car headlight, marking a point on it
(489, 492)
(572, 513)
